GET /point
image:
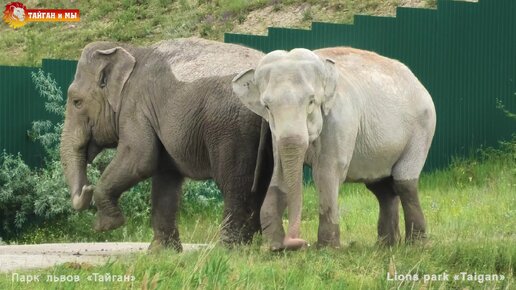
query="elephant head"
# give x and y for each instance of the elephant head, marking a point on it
(292, 91)
(92, 108)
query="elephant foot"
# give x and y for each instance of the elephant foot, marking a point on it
(277, 246)
(104, 222)
(415, 236)
(328, 234)
(159, 245)
(388, 236)
(229, 238)
(335, 244)
(232, 235)
(418, 240)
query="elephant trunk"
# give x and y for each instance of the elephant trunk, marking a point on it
(292, 154)
(74, 155)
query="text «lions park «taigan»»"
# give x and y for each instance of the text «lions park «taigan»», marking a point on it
(258, 144)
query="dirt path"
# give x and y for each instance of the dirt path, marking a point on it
(47, 255)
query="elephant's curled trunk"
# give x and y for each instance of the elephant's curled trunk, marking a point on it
(73, 160)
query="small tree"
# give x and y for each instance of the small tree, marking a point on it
(45, 132)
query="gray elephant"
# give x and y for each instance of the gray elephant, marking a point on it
(353, 116)
(166, 129)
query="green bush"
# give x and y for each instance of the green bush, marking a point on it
(200, 196)
(29, 197)
(17, 183)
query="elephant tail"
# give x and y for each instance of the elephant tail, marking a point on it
(265, 160)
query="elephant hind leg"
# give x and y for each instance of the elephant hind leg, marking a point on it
(405, 175)
(166, 190)
(240, 218)
(388, 220)
(234, 175)
(415, 225)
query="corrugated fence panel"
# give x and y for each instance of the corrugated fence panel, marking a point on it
(18, 108)
(464, 53)
(21, 104)
(63, 71)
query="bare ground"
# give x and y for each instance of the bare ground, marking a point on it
(21, 257)
(302, 15)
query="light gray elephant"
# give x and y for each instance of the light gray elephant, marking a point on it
(167, 127)
(353, 116)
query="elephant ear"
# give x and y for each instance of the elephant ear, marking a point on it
(247, 91)
(330, 85)
(116, 67)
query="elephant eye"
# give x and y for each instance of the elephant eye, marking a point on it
(311, 106)
(267, 107)
(77, 103)
(311, 103)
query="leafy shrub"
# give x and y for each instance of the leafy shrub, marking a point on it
(28, 196)
(17, 183)
(200, 196)
(466, 172)
(45, 132)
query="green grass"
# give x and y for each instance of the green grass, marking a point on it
(470, 210)
(144, 22)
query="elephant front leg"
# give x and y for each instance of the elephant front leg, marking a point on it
(128, 167)
(271, 217)
(166, 189)
(109, 216)
(327, 182)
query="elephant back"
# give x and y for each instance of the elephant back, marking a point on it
(194, 58)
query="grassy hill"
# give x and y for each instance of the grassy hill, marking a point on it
(144, 22)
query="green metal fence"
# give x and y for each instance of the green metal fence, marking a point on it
(464, 53)
(20, 105)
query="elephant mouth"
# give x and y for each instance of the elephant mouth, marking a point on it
(92, 150)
